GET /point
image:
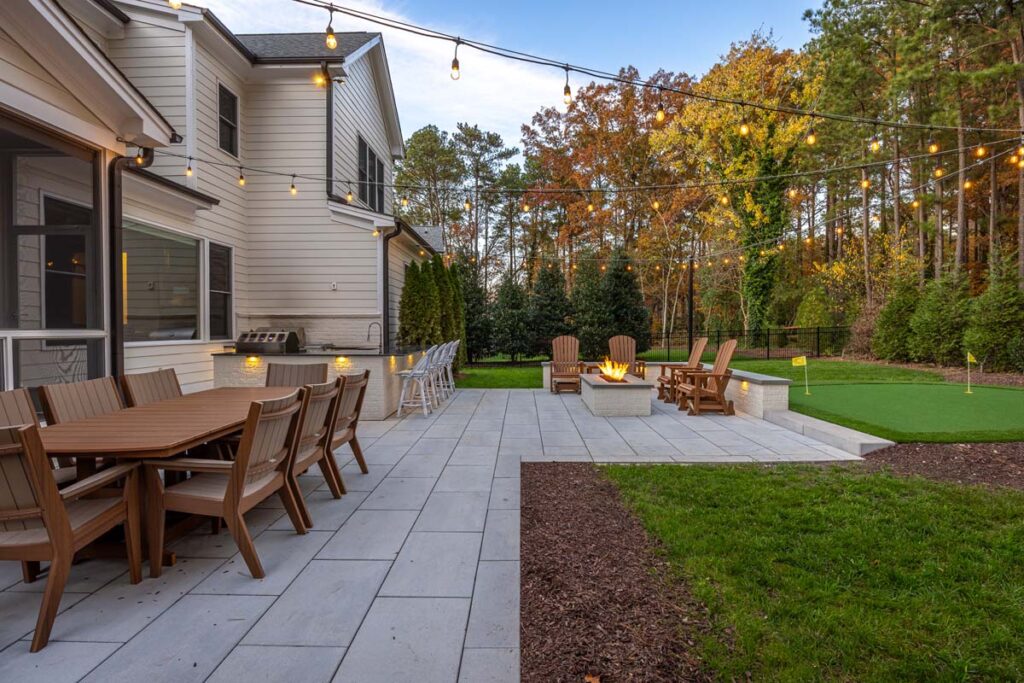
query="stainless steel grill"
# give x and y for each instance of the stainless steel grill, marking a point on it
(271, 340)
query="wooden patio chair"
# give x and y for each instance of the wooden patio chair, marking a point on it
(16, 409)
(229, 489)
(316, 430)
(149, 387)
(38, 523)
(347, 420)
(295, 375)
(705, 391)
(80, 400)
(565, 363)
(671, 374)
(622, 349)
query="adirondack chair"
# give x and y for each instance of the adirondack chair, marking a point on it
(38, 523)
(704, 391)
(295, 375)
(671, 374)
(622, 349)
(149, 387)
(565, 363)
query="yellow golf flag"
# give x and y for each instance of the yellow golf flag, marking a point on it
(799, 361)
(971, 358)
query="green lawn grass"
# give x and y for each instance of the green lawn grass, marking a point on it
(500, 377)
(815, 573)
(824, 370)
(918, 412)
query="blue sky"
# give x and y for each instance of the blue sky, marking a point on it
(679, 35)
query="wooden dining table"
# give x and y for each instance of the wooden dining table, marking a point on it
(161, 429)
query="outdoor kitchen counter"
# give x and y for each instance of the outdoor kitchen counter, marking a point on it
(232, 369)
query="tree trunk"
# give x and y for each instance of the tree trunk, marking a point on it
(993, 205)
(1017, 49)
(961, 203)
(937, 264)
(896, 226)
(866, 235)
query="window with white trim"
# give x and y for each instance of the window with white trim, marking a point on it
(220, 291)
(227, 111)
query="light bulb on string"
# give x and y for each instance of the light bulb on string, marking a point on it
(1013, 159)
(865, 184)
(655, 205)
(467, 205)
(839, 231)
(293, 190)
(349, 197)
(916, 203)
(526, 206)
(140, 157)
(933, 146)
(603, 267)
(744, 129)
(723, 200)
(329, 38)
(875, 144)
(1020, 163)
(793, 193)
(782, 247)
(590, 207)
(241, 177)
(567, 91)
(405, 202)
(742, 258)
(939, 172)
(456, 73)
(659, 115)
(808, 240)
(629, 266)
(812, 137)
(657, 266)
(968, 184)
(981, 151)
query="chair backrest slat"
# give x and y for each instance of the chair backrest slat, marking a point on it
(696, 352)
(622, 349)
(19, 504)
(16, 409)
(565, 349)
(80, 400)
(149, 387)
(319, 409)
(723, 357)
(295, 374)
(351, 403)
(268, 438)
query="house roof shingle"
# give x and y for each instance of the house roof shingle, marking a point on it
(302, 46)
(432, 235)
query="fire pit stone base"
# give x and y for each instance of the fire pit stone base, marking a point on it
(628, 398)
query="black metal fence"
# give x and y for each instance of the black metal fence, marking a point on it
(782, 342)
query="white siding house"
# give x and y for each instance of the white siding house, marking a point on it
(200, 256)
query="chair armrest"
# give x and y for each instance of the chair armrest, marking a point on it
(96, 481)
(192, 465)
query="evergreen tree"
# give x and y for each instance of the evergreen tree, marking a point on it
(430, 332)
(938, 323)
(459, 307)
(995, 329)
(549, 309)
(446, 308)
(891, 339)
(591, 317)
(814, 309)
(625, 302)
(511, 323)
(408, 313)
(478, 338)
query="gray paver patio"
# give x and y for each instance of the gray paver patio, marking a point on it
(413, 575)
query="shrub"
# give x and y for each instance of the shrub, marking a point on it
(995, 329)
(419, 310)
(591, 318)
(862, 330)
(815, 309)
(620, 292)
(891, 339)
(939, 321)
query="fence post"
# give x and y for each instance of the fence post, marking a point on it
(768, 344)
(817, 342)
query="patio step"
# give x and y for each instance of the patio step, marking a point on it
(843, 438)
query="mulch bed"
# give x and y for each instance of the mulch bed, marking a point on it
(993, 464)
(596, 603)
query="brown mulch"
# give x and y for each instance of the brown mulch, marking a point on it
(992, 464)
(596, 603)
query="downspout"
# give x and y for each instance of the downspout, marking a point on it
(385, 287)
(115, 235)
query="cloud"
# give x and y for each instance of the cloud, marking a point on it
(497, 94)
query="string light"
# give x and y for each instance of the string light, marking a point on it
(875, 144)
(1013, 159)
(629, 266)
(467, 205)
(241, 177)
(968, 184)
(1020, 163)
(349, 197)
(939, 172)
(812, 137)
(808, 240)
(456, 73)
(865, 184)
(933, 146)
(294, 190)
(659, 115)
(405, 202)
(603, 267)
(567, 91)
(744, 129)
(188, 168)
(175, 4)
(980, 152)
(330, 39)
(655, 205)
(526, 207)
(139, 157)
(839, 231)
(724, 200)
(793, 193)
(590, 207)
(916, 203)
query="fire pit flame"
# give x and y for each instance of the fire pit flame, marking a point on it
(612, 371)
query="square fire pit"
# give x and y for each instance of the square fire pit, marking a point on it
(629, 398)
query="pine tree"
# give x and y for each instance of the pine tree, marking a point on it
(891, 339)
(459, 308)
(511, 324)
(625, 302)
(938, 323)
(549, 309)
(430, 330)
(591, 317)
(995, 330)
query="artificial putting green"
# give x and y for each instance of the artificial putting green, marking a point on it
(917, 412)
